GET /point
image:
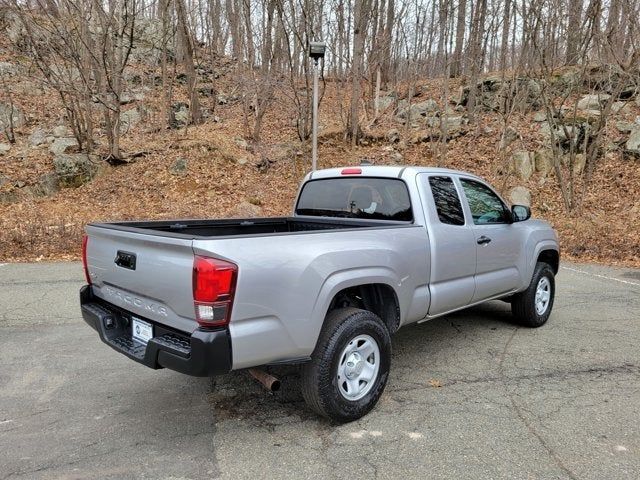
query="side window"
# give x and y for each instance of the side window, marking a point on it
(447, 201)
(486, 207)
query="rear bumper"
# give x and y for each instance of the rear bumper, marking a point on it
(204, 353)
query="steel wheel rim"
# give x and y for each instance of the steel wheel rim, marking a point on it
(543, 295)
(358, 367)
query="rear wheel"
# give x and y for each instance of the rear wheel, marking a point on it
(532, 307)
(349, 367)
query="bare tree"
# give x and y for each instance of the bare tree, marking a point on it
(187, 55)
(361, 18)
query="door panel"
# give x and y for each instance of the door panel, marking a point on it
(497, 246)
(452, 243)
(496, 270)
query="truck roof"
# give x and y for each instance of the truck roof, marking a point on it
(391, 171)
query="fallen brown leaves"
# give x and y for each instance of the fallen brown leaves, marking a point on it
(221, 174)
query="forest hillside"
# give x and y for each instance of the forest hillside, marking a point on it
(194, 108)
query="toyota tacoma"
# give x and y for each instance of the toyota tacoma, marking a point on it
(367, 250)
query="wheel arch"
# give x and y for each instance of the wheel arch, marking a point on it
(550, 256)
(373, 282)
(378, 298)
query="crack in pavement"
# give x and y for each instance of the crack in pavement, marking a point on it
(214, 430)
(532, 430)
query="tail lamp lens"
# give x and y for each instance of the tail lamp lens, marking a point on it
(85, 266)
(214, 283)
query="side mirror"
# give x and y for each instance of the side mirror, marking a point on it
(520, 213)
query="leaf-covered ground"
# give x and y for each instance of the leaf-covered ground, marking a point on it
(226, 178)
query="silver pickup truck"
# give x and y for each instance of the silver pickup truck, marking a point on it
(368, 250)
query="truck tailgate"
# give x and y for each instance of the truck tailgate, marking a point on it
(148, 275)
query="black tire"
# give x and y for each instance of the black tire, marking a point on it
(523, 304)
(319, 377)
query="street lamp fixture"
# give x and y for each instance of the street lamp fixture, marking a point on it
(316, 52)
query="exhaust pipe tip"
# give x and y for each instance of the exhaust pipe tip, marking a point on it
(267, 380)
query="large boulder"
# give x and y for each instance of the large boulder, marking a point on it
(510, 135)
(520, 196)
(8, 69)
(181, 114)
(7, 190)
(633, 143)
(386, 101)
(452, 124)
(150, 40)
(37, 137)
(60, 131)
(392, 136)
(179, 167)
(47, 185)
(579, 162)
(129, 119)
(495, 93)
(625, 127)
(129, 97)
(540, 116)
(241, 142)
(566, 135)
(593, 102)
(416, 110)
(523, 163)
(75, 169)
(207, 90)
(544, 161)
(246, 209)
(63, 145)
(620, 107)
(396, 157)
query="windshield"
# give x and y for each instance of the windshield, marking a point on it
(362, 197)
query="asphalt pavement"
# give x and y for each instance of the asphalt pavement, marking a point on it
(470, 396)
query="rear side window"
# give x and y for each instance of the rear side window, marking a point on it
(362, 197)
(447, 200)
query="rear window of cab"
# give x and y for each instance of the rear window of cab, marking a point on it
(361, 197)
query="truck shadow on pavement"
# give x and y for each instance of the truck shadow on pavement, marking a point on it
(238, 395)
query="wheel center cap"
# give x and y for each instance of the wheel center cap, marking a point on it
(355, 365)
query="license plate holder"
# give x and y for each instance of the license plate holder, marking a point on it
(141, 331)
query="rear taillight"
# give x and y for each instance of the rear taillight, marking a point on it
(214, 284)
(85, 266)
(351, 171)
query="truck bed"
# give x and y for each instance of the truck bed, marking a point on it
(244, 227)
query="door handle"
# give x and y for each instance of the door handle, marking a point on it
(483, 240)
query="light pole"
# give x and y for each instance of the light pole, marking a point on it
(316, 52)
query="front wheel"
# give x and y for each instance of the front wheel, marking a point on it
(533, 306)
(349, 367)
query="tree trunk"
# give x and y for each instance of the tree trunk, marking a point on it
(477, 28)
(361, 19)
(186, 44)
(504, 41)
(574, 21)
(456, 64)
(385, 71)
